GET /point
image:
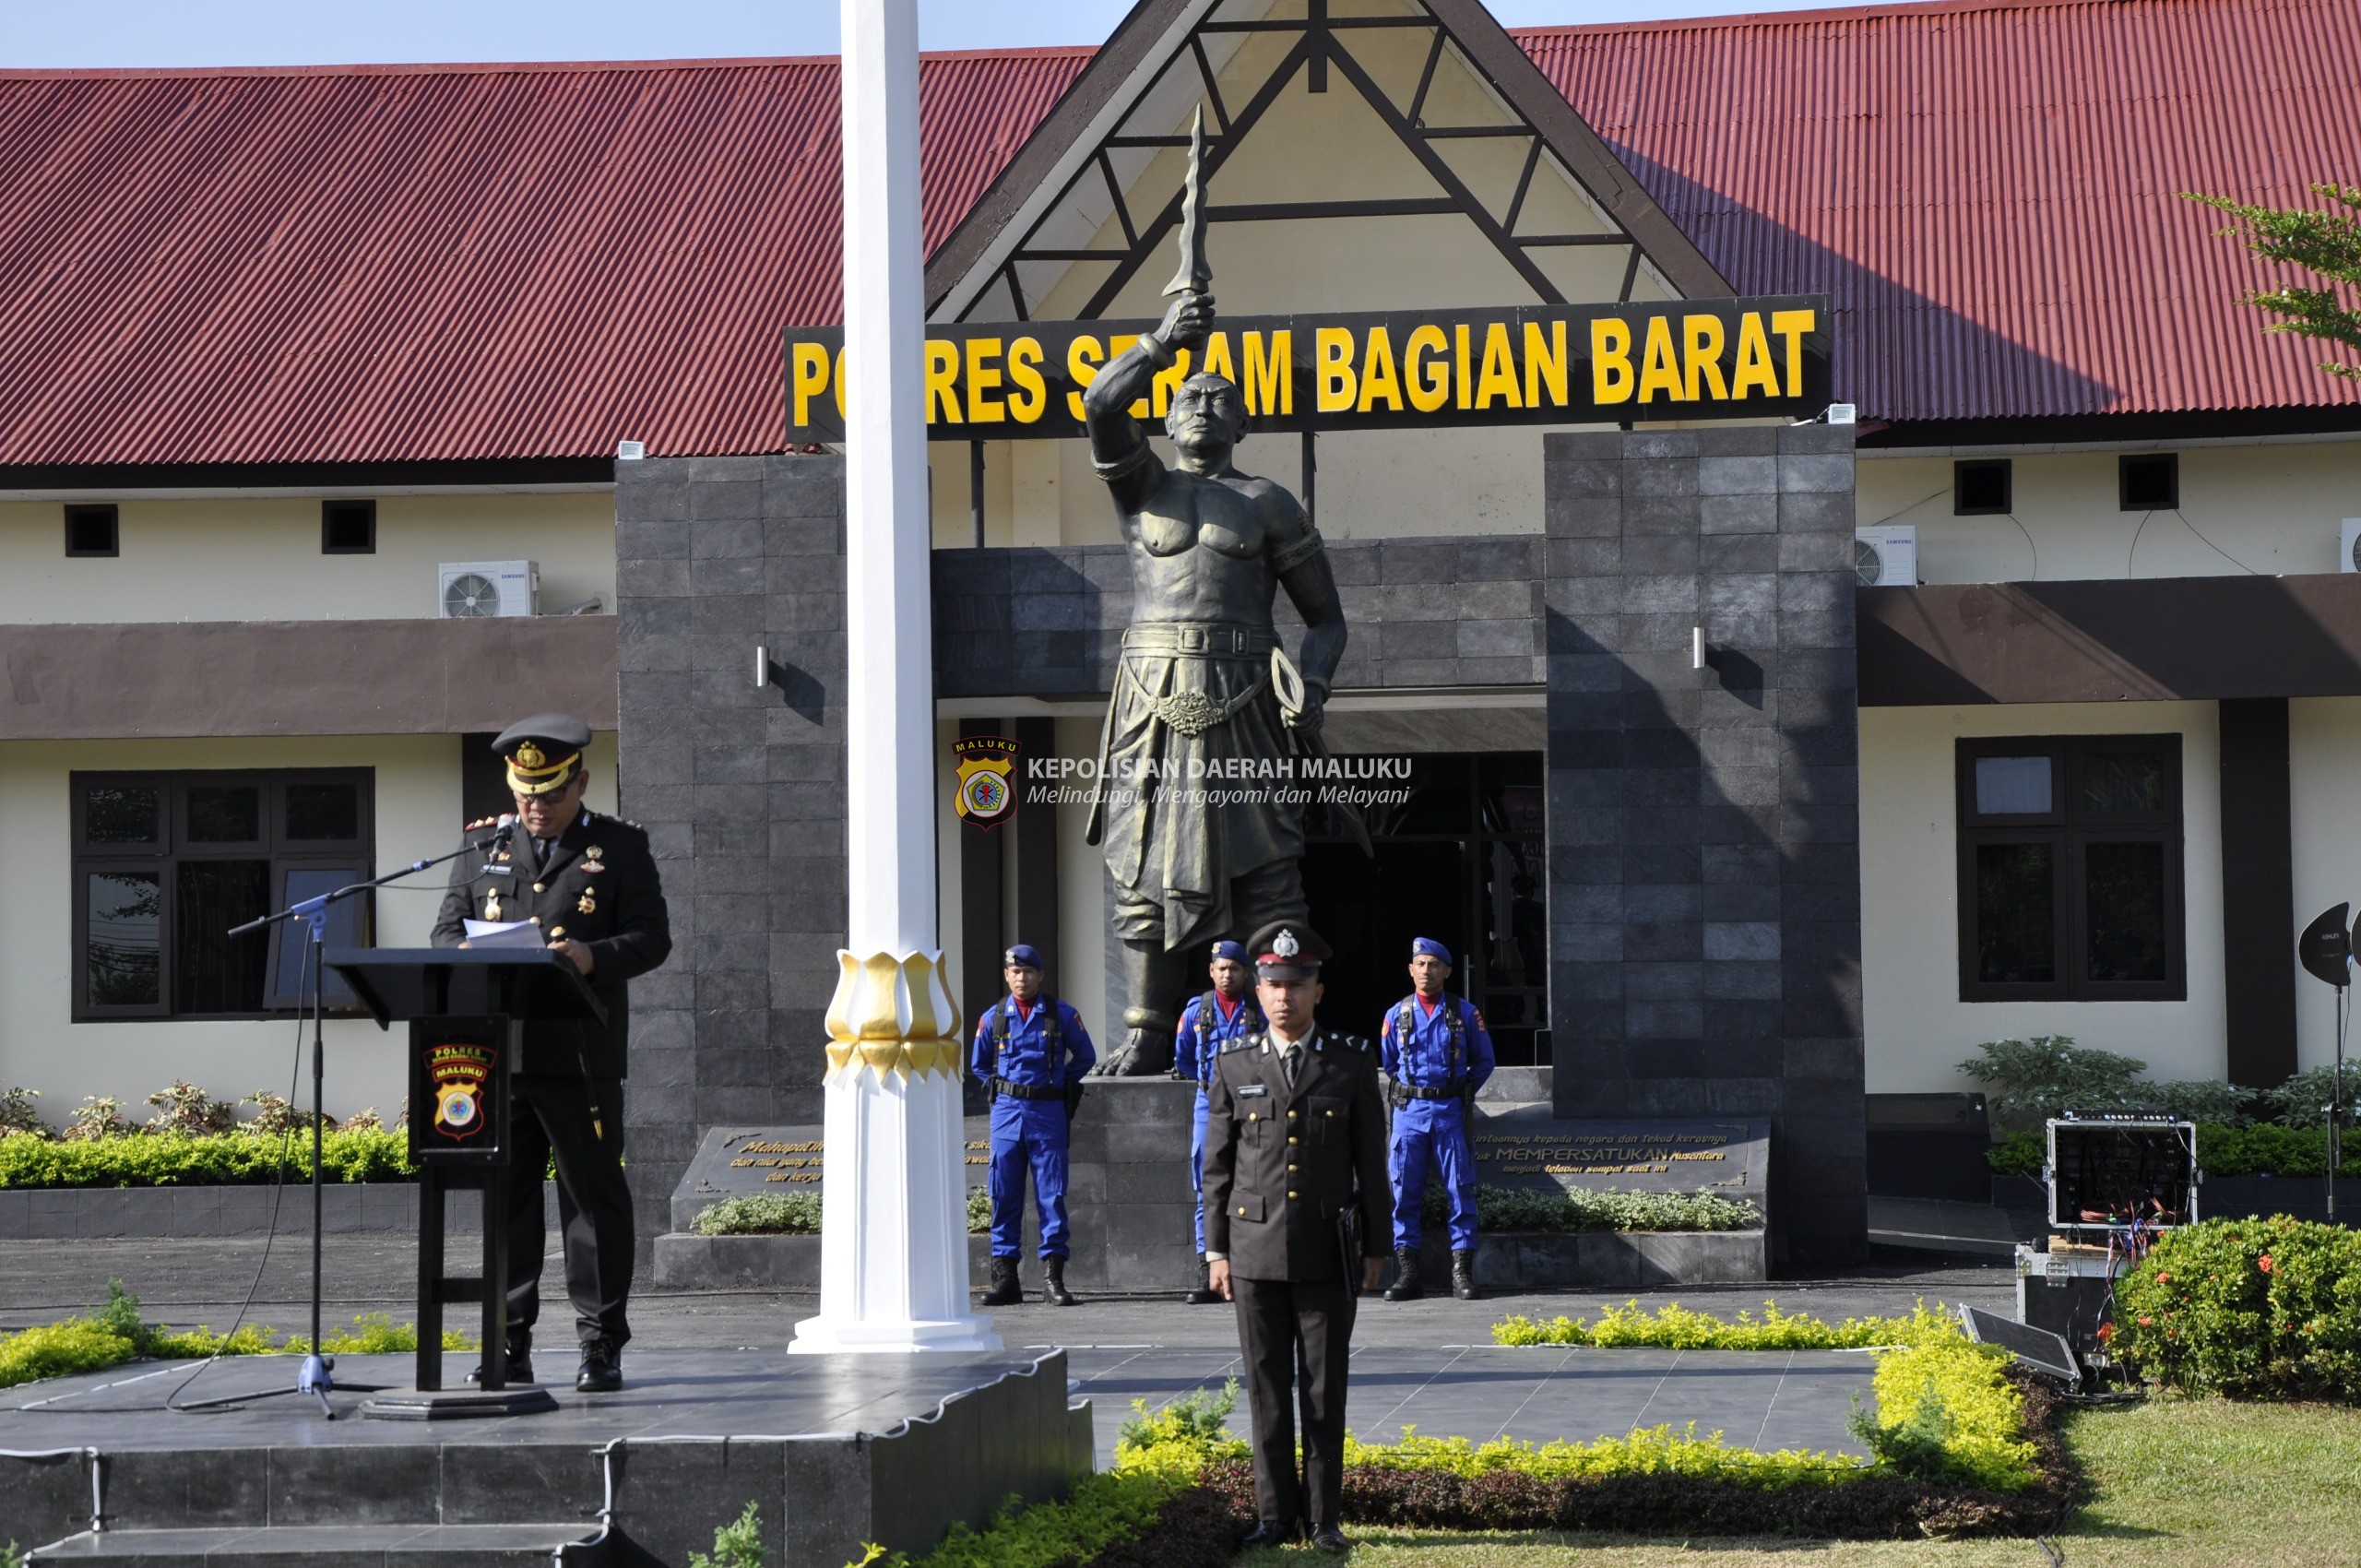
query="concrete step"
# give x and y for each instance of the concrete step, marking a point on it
(376, 1546)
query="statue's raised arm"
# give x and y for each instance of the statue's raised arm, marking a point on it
(1118, 443)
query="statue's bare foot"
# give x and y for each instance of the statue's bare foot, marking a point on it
(1145, 1053)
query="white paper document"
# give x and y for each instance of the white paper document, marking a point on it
(504, 934)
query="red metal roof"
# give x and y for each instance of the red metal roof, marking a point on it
(1989, 191)
(406, 264)
(439, 263)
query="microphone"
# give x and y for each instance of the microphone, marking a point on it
(503, 831)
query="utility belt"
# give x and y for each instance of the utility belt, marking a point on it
(1201, 637)
(1405, 1093)
(1027, 1091)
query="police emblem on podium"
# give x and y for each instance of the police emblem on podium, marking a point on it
(986, 787)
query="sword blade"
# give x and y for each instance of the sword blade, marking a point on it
(1196, 274)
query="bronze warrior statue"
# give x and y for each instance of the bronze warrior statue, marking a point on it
(1202, 680)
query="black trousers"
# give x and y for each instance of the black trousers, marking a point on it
(1296, 1340)
(551, 1113)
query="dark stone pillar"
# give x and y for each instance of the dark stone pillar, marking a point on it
(1036, 852)
(2258, 891)
(741, 788)
(1704, 899)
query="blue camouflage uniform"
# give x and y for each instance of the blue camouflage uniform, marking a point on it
(1437, 1061)
(1205, 1031)
(1032, 1074)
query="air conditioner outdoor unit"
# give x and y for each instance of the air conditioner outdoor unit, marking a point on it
(488, 587)
(1886, 556)
(2348, 545)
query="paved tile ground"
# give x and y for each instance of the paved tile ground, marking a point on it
(1428, 1364)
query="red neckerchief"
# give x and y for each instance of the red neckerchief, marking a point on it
(1024, 1009)
(1229, 1008)
(1429, 1007)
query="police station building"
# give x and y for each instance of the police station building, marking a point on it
(1833, 570)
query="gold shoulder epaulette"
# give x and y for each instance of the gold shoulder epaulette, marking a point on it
(480, 821)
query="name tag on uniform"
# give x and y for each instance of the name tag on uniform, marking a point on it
(1247, 1091)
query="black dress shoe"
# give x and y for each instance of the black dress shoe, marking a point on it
(1267, 1534)
(602, 1368)
(1331, 1538)
(520, 1367)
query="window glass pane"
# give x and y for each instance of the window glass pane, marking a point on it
(2121, 783)
(2124, 892)
(2016, 914)
(318, 813)
(2012, 785)
(1516, 951)
(125, 939)
(122, 814)
(295, 980)
(213, 972)
(224, 814)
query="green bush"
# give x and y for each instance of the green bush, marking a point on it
(1514, 1210)
(2260, 1309)
(18, 1114)
(2302, 1100)
(2033, 1080)
(2019, 1154)
(1676, 1327)
(59, 1349)
(1659, 1450)
(798, 1214)
(1947, 1413)
(242, 1157)
(735, 1545)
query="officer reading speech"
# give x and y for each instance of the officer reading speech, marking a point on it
(584, 885)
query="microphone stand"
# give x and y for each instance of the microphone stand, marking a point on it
(317, 1377)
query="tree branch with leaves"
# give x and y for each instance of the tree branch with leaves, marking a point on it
(2324, 241)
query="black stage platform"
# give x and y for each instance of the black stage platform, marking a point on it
(836, 1450)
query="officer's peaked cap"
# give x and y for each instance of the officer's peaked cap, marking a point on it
(1288, 950)
(544, 752)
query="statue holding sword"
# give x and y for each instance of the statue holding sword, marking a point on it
(1198, 852)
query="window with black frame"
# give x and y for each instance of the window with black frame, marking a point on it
(165, 864)
(2069, 869)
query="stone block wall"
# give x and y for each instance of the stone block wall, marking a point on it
(1704, 895)
(742, 790)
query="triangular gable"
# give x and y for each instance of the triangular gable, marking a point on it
(1435, 90)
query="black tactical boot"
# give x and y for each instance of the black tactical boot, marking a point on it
(1055, 1291)
(1462, 1275)
(1203, 1294)
(1405, 1276)
(1003, 1291)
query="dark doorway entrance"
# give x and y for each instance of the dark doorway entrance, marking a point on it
(1462, 861)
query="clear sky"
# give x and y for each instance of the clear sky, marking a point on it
(85, 33)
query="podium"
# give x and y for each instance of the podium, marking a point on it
(467, 1009)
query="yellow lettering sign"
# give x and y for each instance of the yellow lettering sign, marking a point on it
(983, 378)
(1332, 351)
(1376, 373)
(942, 382)
(1660, 364)
(1269, 388)
(1610, 360)
(1028, 396)
(1544, 364)
(1429, 380)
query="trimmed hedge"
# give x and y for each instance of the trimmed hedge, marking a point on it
(1507, 1209)
(798, 1214)
(172, 1159)
(2256, 1309)
(1676, 1327)
(2267, 1148)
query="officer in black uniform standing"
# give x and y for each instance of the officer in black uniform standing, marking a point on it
(1296, 1200)
(588, 882)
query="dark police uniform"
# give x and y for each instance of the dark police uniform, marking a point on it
(1292, 1167)
(1435, 1059)
(596, 884)
(1032, 1061)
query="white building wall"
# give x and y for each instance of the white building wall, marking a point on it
(2324, 787)
(417, 815)
(1916, 1026)
(2268, 507)
(257, 557)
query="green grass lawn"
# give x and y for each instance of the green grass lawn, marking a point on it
(2184, 1484)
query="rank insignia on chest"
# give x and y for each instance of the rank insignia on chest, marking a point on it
(588, 904)
(492, 905)
(590, 861)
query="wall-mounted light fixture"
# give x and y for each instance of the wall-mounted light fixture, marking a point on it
(762, 666)
(1696, 647)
